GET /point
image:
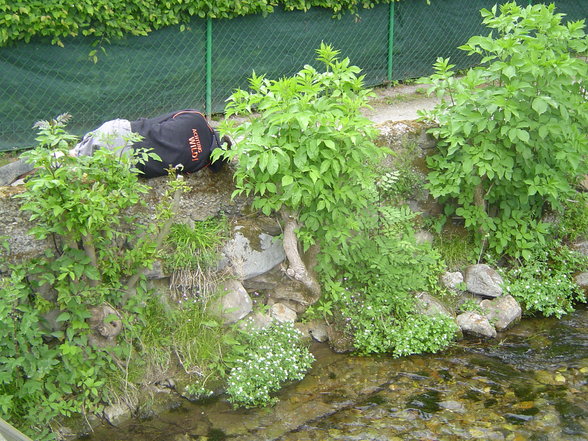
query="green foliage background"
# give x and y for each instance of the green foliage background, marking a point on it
(115, 18)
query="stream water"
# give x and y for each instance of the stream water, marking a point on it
(529, 384)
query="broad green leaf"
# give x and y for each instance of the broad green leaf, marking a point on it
(468, 165)
(539, 105)
(300, 158)
(509, 71)
(287, 180)
(263, 160)
(272, 165)
(303, 120)
(62, 317)
(523, 135)
(330, 144)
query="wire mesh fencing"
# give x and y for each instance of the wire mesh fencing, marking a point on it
(201, 66)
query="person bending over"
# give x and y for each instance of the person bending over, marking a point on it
(182, 137)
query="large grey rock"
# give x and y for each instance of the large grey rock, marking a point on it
(314, 330)
(256, 321)
(267, 281)
(475, 324)
(428, 305)
(582, 280)
(482, 280)
(283, 313)
(250, 260)
(318, 330)
(293, 295)
(9, 172)
(452, 280)
(279, 288)
(233, 304)
(502, 311)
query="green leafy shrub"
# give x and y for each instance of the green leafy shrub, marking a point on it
(82, 202)
(305, 152)
(382, 270)
(572, 224)
(51, 368)
(423, 333)
(307, 148)
(545, 285)
(271, 357)
(39, 381)
(512, 131)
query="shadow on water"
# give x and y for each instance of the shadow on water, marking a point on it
(529, 384)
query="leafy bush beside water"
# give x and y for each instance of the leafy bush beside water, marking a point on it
(51, 369)
(512, 131)
(545, 284)
(384, 268)
(305, 148)
(308, 151)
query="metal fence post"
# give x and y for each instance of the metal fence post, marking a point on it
(208, 67)
(391, 40)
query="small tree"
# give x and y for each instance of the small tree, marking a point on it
(305, 152)
(53, 306)
(83, 203)
(512, 131)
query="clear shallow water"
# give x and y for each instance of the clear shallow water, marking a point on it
(529, 384)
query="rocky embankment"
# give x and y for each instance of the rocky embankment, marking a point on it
(254, 255)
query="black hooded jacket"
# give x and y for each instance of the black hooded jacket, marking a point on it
(182, 137)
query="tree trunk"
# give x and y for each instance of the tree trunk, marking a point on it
(297, 269)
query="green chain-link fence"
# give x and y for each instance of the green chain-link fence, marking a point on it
(200, 67)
